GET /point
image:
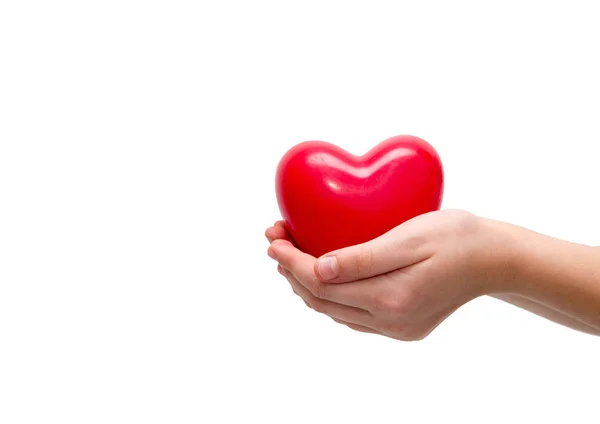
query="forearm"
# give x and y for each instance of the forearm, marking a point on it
(546, 312)
(561, 275)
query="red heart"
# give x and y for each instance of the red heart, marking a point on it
(331, 199)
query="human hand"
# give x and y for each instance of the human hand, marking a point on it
(404, 283)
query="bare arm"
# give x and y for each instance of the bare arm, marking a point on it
(547, 313)
(554, 278)
(406, 282)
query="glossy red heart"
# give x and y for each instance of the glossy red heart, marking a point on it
(330, 198)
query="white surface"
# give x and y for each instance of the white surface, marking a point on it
(134, 281)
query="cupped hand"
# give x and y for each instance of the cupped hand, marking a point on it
(404, 283)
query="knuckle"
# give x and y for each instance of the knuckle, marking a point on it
(290, 262)
(363, 264)
(296, 291)
(413, 242)
(284, 257)
(318, 289)
(462, 222)
(386, 304)
(319, 306)
(404, 305)
(393, 329)
(407, 332)
(464, 219)
(358, 328)
(411, 334)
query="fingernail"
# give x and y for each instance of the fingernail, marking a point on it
(271, 253)
(328, 267)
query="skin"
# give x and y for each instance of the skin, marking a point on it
(406, 282)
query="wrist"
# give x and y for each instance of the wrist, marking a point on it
(500, 256)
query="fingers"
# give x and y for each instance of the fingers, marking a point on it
(348, 314)
(297, 287)
(301, 266)
(396, 249)
(357, 327)
(278, 232)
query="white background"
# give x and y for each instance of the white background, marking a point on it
(138, 145)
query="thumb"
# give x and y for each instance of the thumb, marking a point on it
(393, 250)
